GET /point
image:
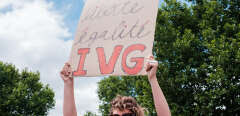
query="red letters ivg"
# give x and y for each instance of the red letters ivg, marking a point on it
(104, 67)
(139, 61)
(83, 53)
(107, 67)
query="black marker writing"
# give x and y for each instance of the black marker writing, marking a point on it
(125, 8)
(122, 31)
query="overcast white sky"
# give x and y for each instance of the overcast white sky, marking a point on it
(37, 34)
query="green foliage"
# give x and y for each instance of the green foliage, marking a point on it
(89, 114)
(137, 87)
(21, 94)
(198, 49)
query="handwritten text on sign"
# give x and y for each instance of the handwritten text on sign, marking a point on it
(113, 37)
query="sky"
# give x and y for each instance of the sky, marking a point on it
(38, 35)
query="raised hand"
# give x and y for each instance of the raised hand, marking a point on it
(159, 99)
(69, 107)
(151, 67)
(66, 74)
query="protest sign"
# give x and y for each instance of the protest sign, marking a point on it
(114, 37)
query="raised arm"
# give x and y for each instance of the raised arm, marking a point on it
(160, 102)
(69, 107)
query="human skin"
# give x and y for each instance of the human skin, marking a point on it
(159, 99)
(119, 112)
(69, 107)
(161, 105)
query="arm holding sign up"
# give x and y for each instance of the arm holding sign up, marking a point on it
(69, 107)
(161, 105)
(160, 102)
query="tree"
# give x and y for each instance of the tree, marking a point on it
(198, 49)
(137, 87)
(21, 94)
(88, 113)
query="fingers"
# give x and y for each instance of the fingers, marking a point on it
(62, 73)
(67, 67)
(67, 64)
(151, 57)
(66, 71)
(148, 67)
(150, 63)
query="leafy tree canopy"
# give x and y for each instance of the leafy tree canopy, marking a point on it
(22, 94)
(88, 113)
(198, 49)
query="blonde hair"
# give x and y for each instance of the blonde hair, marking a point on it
(126, 102)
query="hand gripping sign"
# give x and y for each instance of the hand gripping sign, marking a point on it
(113, 37)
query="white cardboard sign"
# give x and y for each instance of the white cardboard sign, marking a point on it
(114, 37)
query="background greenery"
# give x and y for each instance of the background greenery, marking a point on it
(22, 94)
(198, 49)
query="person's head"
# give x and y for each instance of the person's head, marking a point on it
(125, 106)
